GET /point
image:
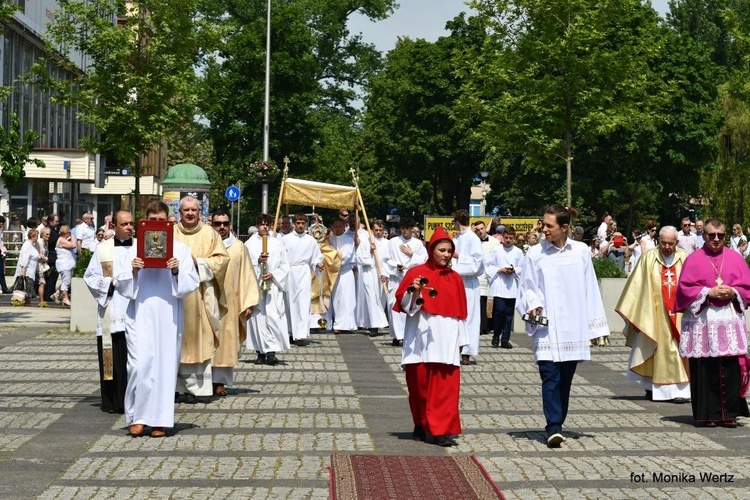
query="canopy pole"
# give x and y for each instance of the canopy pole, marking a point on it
(281, 194)
(369, 231)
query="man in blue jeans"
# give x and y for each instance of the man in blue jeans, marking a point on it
(560, 300)
(503, 268)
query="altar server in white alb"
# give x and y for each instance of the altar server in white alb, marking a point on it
(370, 311)
(381, 243)
(344, 294)
(404, 252)
(109, 273)
(468, 262)
(267, 331)
(560, 294)
(304, 256)
(503, 267)
(154, 334)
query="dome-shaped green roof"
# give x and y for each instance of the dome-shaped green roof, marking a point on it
(187, 175)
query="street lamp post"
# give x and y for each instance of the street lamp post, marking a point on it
(483, 209)
(266, 117)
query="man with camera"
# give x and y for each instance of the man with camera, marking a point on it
(503, 268)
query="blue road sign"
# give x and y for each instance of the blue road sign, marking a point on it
(232, 193)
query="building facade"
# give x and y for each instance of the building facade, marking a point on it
(74, 180)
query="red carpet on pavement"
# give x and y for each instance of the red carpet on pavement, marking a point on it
(372, 477)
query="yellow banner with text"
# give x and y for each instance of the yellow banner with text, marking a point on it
(522, 225)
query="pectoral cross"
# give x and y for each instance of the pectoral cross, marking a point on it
(669, 275)
(719, 281)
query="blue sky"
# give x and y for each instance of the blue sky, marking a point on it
(421, 19)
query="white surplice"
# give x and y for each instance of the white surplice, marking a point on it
(504, 285)
(344, 293)
(470, 264)
(267, 329)
(154, 337)
(395, 257)
(99, 285)
(562, 281)
(370, 311)
(431, 338)
(303, 254)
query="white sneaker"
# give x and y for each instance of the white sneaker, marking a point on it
(555, 440)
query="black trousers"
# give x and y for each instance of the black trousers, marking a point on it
(49, 287)
(113, 391)
(715, 389)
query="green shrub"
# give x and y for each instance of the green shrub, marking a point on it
(606, 268)
(84, 257)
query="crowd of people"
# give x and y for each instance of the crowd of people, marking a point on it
(47, 251)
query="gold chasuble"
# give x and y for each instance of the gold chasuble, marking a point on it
(239, 291)
(203, 308)
(320, 292)
(651, 328)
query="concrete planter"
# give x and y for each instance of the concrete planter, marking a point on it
(611, 289)
(83, 307)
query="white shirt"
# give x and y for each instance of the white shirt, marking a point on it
(86, 235)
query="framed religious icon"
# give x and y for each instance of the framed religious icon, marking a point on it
(155, 239)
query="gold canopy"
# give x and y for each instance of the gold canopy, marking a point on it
(317, 194)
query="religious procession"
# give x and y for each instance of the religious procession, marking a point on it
(183, 304)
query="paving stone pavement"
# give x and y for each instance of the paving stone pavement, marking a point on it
(273, 436)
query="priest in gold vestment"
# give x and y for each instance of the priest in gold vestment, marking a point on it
(651, 328)
(202, 311)
(239, 293)
(323, 281)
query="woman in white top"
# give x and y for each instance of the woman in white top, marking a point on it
(28, 260)
(43, 268)
(738, 241)
(65, 263)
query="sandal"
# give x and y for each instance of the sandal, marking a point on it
(66, 302)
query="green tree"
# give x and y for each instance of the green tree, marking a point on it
(551, 80)
(137, 85)
(315, 61)
(428, 159)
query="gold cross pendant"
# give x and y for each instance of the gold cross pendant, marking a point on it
(719, 281)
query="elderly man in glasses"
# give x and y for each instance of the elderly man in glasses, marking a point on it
(686, 239)
(651, 328)
(201, 308)
(241, 293)
(713, 292)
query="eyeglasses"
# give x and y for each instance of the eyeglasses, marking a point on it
(652, 229)
(686, 224)
(712, 236)
(218, 223)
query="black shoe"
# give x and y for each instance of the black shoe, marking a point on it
(506, 345)
(271, 359)
(374, 332)
(495, 341)
(395, 343)
(680, 401)
(649, 395)
(300, 342)
(445, 441)
(261, 360)
(419, 434)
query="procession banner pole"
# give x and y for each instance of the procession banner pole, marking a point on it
(281, 193)
(369, 231)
